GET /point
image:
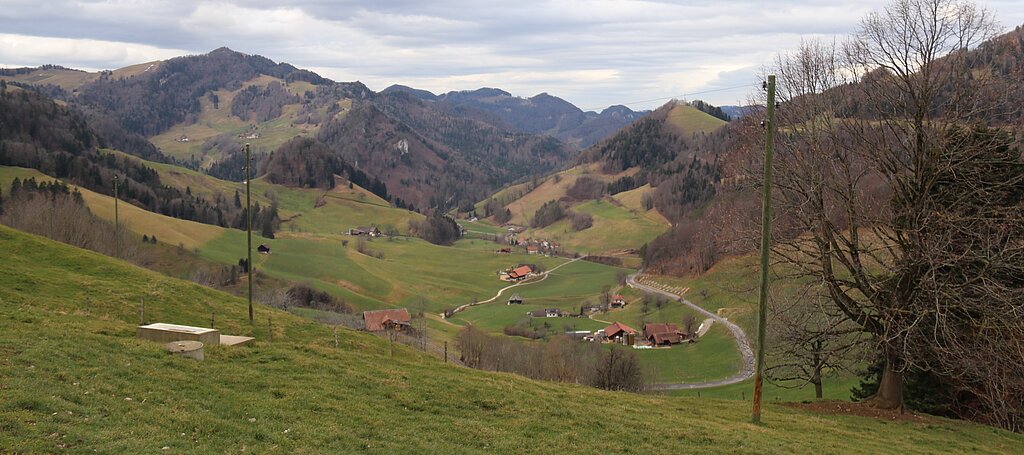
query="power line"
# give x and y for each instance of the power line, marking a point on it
(684, 95)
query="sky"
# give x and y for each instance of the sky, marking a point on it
(593, 53)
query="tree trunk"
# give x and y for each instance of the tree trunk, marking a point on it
(890, 388)
(816, 377)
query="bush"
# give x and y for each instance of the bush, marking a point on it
(580, 220)
(548, 214)
(437, 229)
(585, 188)
(306, 297)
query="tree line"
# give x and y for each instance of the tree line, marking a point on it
(559, 359)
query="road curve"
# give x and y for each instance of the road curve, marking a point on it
(741, 342)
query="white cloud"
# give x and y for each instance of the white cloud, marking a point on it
(591, 52)
(88, 54)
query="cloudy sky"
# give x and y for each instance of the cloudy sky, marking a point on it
(593, 53)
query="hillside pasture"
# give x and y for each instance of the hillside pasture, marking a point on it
(85, 378)
(172, 231)
(690, 120)
(615, 228)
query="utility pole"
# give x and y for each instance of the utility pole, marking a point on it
(248, 227)
(766, 232)
(117, 224)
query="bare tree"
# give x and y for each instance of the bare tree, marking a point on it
(910, 221)
(690, 326)
(810, 339)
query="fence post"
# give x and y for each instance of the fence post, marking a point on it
(445, 352)
(270, 326)
(213, 320)
(335, 336)
(142, 311)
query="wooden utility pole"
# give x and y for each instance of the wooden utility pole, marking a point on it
(766, 232)
(117, 224)
(248, 228)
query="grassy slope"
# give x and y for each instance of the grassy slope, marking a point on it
(689, 120)
(615, 228)
(65, 79)
(633, 200)
(617, 225)
(172, 231)
(215, 121)
(345, 207)
(69, 370)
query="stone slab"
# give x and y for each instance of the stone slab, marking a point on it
(234, 340)
(166, 333)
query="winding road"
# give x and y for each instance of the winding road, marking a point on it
(741, 342)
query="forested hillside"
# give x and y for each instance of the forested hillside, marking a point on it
(152, 102)
(681, 166)
(37, 133)
(541, 114)
(200, 110)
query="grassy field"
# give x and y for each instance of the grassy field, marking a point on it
(832, 389)
(411, 268)
(75, 378)
(713, 357)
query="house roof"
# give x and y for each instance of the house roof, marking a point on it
(618, 297)
(659, 327)
(376, 319)
(263, 247)
(521, 271)
(515, 297)
(617, 327)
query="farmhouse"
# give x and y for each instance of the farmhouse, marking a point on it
(263, 249)
(520, 273)
(515, 300)
(546, 313)
(371, 231)
(379, 320)
(532, 250)
(619, 330)
(662, 334)
(503, 251)
(618, 301)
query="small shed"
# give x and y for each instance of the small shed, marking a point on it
(263, 249)
(515, 300)
(618, 301)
